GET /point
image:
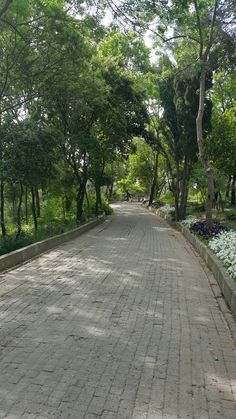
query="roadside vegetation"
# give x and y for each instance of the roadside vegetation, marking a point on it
(87, 117)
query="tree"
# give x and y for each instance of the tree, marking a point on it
(222, 145)
(140, 164)
(28, 158)
(199, 30)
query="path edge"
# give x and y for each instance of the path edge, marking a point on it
(26, 253)
(225, 282)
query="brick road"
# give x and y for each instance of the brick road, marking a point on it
(119, 323)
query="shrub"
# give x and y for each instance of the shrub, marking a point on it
(106, 207)
(206, 230)
(168, 210)
(189, 221)
(224, 246)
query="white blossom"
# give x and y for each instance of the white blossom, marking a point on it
(167, 209)
(189, 221)
(224, 247)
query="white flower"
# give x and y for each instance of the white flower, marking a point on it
(189, 221)
(167, 209)
(224, 247)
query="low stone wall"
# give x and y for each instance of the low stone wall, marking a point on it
(22, 255)
(225, 282)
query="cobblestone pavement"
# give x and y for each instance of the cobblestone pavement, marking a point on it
(119, 323)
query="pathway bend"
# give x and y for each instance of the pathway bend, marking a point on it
(118, 323)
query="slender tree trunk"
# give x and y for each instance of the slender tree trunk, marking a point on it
(13, 202)
(80, 201)
(68, 203)
(110, 190)
(201, 146)
(154, 179)
(98, 197)
(18, 218)
(37, 202)
(176, 192)
(228, 187)
(87, 198)
(81, 195)
(184, 189)
(2, 212)
(106, 191)
(233, 192)
(26, 205)
(34, 208)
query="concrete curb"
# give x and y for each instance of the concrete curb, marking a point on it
(225, 282)
(26, 253)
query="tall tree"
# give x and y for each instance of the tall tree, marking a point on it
(196, 27)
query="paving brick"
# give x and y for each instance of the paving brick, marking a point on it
(120, 323)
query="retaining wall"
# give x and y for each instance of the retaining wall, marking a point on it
(22, 255)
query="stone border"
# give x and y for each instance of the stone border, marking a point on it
(26, 253)
(225, 282)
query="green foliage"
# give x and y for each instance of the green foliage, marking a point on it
(83, 112)
(140, 165)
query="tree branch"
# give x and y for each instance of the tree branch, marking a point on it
(199, 27)
(5, 7)
(12, 26)
(210, 39)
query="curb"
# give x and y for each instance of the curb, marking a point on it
(225, 282)
(24, 254)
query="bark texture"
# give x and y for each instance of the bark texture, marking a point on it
(201, 146)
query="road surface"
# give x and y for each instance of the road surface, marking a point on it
(118, 323)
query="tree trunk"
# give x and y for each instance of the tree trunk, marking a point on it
(18, 218)
(201, 146)
(176, 192)
(110, 190)
(87, 198)
(228, 187)
(233, 192)
(37, 202)
(26, 205)
(68, 203)
(154, 179)
(80, 200)
(184, 189)
(2, 212)
(34, 208)
(81, 195)
(13, 202)
(98, 197)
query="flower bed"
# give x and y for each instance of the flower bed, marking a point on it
(224, 247)
(189, 221)
(207, 231)
(220, 240)
(167, 209)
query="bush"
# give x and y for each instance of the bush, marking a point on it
(106, 207)
(224, 246)
(206, 230)
(89, 208)
(11, 243)
(189, 221)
